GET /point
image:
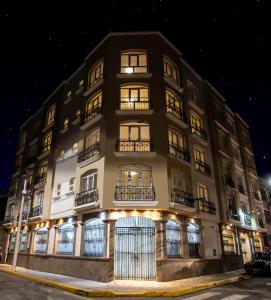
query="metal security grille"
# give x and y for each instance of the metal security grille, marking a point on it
(193, 234)
(65, 239)
(173, 238)
(41, 240)
(135, 251)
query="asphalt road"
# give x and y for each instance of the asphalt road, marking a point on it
(12, 288)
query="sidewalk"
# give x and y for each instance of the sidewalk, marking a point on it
(118, 288)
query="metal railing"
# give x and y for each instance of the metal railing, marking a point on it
(229, 181)
(134, 193)
(91, 114)
(35, 211)
(123, 145)
(41, 178)
(176, 112)
(89, 152)
(203, 167)
(206, 206)
(86, 197)
(182, 197)
(134, 103)
(179, 152)
(199, 131)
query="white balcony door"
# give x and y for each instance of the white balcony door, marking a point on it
(89, 182)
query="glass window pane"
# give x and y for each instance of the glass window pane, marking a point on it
(133, 60)
(134, 133)
(124, 60)
(145, 132)
(124, 132)
(142, 60)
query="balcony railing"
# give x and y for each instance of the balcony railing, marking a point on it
(176, 112)
(247, 219)
(203, 167)
(199, 131)
(88, 153)
(206, 206)
(179, 152)
(41, 178)
(134, 193)
(35, 211)
(86, 197)
(241, 189)
(182, 197)
(233, 214)
(229, 181)
(8, 219)
(91, 114)
(134, 103)
(123, 145)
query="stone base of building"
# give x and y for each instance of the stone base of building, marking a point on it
(231, 262)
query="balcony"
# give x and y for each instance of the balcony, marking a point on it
(179, 152)
(91, 114)
(206, 206)
(247, 220)
(203, 167)
(182, 197)
(41, 178)
(123, 145)
(177, 112)
(86, 197)
(8, 219)
(199, 132)
(138, 103)
(233, 214)
(90, 152)
(134, 193)
(229, 181)
(35, 211)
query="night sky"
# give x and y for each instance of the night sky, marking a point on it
(226, 42)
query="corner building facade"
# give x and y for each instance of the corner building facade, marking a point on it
(122, 181)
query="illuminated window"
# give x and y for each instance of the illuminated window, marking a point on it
(92, 139)
(193, 234)
(43, 168)
(174, 104)
(47, 140)
(170, 70)
(202, 191)
(177, 146)
(199, 155)
(51, 115)
(78, 113)
(75, 148)
(66, 123)
(81, 82)
(96, 72)
(134, 62)
(62, 153)
(65, 241)
(134, 97)
(41, 240)
(89, 180)
(195, 122)
(228, 241)
(69, 94)
(38, 199)
(93, 107)
(173, 238)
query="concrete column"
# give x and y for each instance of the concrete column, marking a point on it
(110, 238)
(78, 238)
(51, 239)
(161, 251)
(184, 240)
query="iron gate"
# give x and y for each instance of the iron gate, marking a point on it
(135, 252)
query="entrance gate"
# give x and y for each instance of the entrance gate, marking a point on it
(135, 249)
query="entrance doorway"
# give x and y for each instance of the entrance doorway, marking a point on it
(246, 249)
(135, 248)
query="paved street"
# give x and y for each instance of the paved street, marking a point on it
(12, 288)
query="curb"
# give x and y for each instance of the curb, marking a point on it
(108, 293)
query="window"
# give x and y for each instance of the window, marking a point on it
(228, 242)
(192, 93)
(12, 241)
(134, 62)
(92, 139)
(177, 145)
(199, 155)
(173, 238)
(51, 115)
(195, 123)
(134, 183)
(58, 189)
(38, 199)
(170, 70)
(24, 241)
(66, 123)
(174, 105)
(134, 97)
(81, 82)
(96, 72)
(69, 94)
(93, 107)
(94, 239)
(202, 191)
(193, 239)
(65, 241)
(47, 140)
(75, 148)
(89, 181)
(134, 137)
(41, 240)
(71, 184)
(43, 168)
(77, 114)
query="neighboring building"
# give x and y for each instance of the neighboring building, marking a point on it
(125, 171)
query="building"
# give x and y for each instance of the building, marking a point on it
(125, 171)
(3, 233)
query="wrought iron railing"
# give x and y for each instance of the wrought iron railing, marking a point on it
(229, 181)
(203, 167)
(247, 219)
(86, 197)
(134, 103)
(123, 145)
(177, 112)
(206, 206)
(88, 153)
(134, 193)
(91, 114)
(179, 152)
(41, 178)
(182, 197)
(35, 211)
(199, 131)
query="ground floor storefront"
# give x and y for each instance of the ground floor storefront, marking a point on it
(121, 244)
